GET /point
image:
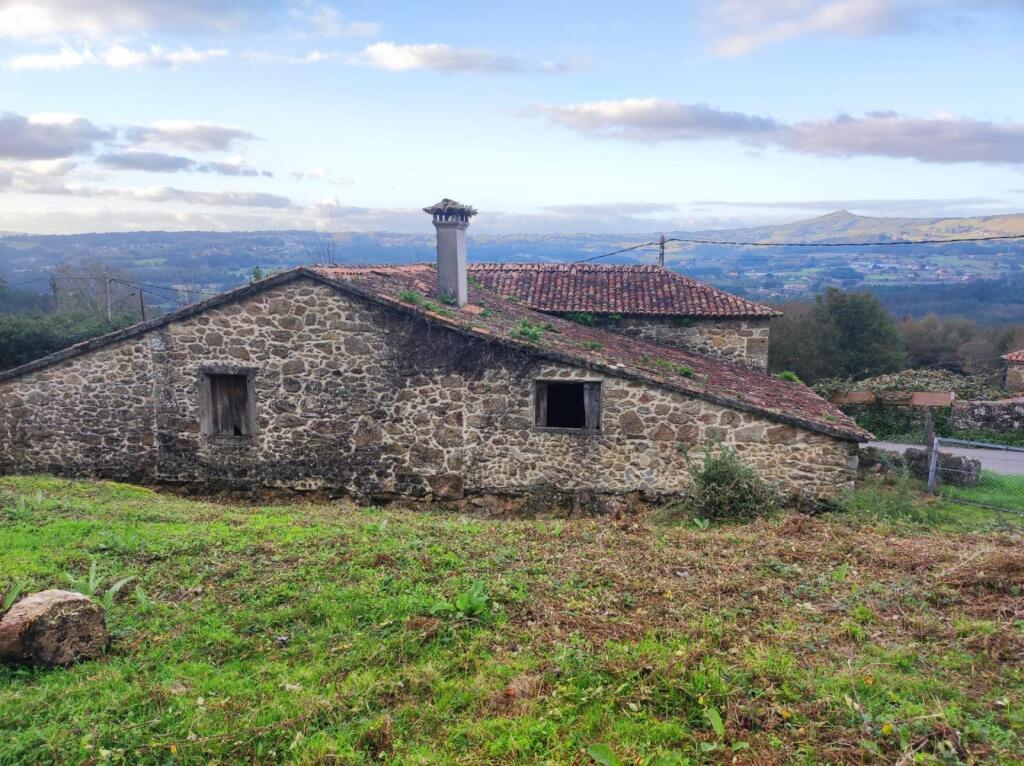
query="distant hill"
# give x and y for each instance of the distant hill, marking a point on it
(844, 226)
(214, 261)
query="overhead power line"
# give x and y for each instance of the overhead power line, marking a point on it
(733, 243)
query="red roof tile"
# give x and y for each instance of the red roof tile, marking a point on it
(1015, 357)
(612, 289)
(694, 374)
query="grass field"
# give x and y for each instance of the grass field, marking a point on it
(993, 489)
(326, 633)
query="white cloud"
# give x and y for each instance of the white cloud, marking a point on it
(316, 172)
(944, 139)
(114, 57)
(160, 194)
(739, 27)
(158, 162)
(47, 136)
(326, 21)
(99, 19)
(652, 119)
(188, 134)
(439, 57)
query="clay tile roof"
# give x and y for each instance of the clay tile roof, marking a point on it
(612, 289)
(1015, 357)
(691, 373)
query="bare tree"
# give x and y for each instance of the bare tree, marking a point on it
(91, 286)
(322, 247)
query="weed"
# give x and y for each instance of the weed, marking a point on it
(12, 596)
(436, 309)
(527, 331)
(581, 317)
(840, 573)
(722, 487)
(90, 586)
(472, 602)
(668, 366)
(788, 375)
(411, 296)
(593, 345)
(605, 756)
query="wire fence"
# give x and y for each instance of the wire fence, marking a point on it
(978, 473)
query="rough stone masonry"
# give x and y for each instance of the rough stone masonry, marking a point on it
(361, 399)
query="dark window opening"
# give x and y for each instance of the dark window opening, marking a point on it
(227, 405)
(568, 405)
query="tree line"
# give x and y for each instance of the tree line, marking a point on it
(852, 335)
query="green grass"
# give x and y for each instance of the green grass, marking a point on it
(326, 633)
(993, 489)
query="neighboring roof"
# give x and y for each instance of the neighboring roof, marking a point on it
(1015, 357)
(490, 317)
(613, 289)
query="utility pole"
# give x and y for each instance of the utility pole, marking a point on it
(56, 295)
(106, 295)
(142, 306)
(661, 251)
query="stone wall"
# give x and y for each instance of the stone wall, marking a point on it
(738, 340)
(359, 399)
(1015, 378)
(1004, 415)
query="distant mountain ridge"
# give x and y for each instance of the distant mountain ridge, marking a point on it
(846, 226)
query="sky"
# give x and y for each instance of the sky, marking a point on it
(553, 116)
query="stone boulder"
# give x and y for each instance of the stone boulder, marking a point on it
(53, 627)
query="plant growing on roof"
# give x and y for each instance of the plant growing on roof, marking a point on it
(411, 296)
(527, 331)
(581, 317)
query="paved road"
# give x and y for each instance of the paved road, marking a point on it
(999, 461)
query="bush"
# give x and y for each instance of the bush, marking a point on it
(723, 487)
(24, 337)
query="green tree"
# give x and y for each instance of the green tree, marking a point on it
(841, 334)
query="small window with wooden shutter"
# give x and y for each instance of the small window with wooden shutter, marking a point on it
(227, 405)
(568, 405)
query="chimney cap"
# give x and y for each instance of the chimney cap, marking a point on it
(450, 210)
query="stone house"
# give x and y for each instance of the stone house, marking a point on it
(649, 302)
(407, 381)
(1015, 371)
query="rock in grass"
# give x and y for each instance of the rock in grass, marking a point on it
(53, 627)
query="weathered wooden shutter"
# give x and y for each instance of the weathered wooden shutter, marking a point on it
(541, 404)
(592, 405)
(229, 404)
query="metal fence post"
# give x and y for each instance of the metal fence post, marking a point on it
(933, 464)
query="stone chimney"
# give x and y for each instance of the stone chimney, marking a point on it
(451, 220)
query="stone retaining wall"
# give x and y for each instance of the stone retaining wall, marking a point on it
(355, 398)
(1004, 415)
